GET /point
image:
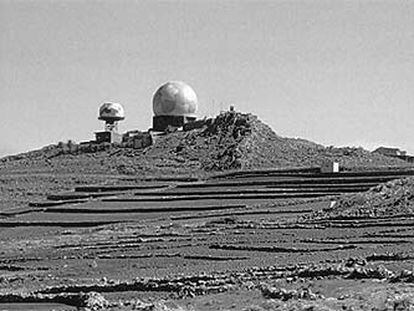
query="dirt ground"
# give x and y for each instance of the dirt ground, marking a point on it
(179, 247)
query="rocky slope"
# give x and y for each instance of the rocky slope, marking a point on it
(230, 141)
(391, 199)
(264, 148)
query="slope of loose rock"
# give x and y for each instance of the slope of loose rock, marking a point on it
(242, 141)
(392, 198)
(264, 148)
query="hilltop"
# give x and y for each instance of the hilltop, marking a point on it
(230, 141)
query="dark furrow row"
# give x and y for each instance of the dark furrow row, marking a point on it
(236, 213)
(141, 209)
(222, 197)
(277, 249)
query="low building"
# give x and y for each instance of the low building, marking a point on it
(390, 152)
(108, 137)
(136, 139)
(330, 167)
(395, 153)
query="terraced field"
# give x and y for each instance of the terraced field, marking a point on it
(250, 241)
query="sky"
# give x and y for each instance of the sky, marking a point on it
(335, 72)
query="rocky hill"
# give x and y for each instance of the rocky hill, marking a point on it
(264, 148)
(230, 141)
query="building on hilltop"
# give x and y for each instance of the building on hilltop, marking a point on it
(390, 152)
(395, 153)
(174, 104)
(111, 113)
(137, 139)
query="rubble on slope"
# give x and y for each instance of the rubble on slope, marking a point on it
(241, 141)
(264, 148)
(285, 294)
(392, 198)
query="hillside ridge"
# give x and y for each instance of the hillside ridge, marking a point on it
(231, 141)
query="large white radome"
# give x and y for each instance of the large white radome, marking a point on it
(175, 98)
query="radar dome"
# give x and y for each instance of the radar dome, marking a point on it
(175, 98)
(111, 112)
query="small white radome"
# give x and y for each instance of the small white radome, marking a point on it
(111, 112)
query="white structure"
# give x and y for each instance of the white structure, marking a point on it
(330, 167)
(111, 113)
(175, 98)
(174, 104)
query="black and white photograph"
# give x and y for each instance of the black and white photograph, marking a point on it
(207, 155)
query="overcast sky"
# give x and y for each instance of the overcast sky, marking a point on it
(335, 72)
